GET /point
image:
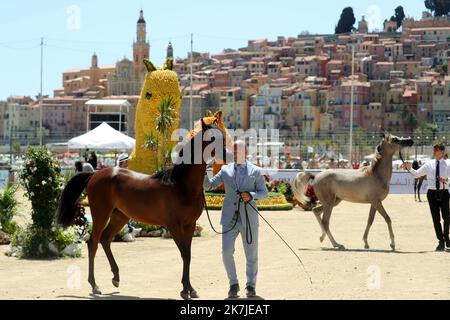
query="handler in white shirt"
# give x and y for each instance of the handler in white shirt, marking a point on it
(448, 164)
(437, 172)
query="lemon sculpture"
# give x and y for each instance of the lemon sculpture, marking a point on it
(157, 116)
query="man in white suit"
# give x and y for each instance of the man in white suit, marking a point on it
(244, 185)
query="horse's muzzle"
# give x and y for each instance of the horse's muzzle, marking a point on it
(406, 142)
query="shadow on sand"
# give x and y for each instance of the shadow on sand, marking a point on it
(109, 296)
(245, 298)
(365, 250)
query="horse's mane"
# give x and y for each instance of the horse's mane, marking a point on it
(376, 157)
(172, 175)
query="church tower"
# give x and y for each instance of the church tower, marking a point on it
(94, 72)
(141, 48)
(94, 61)
(169, 51)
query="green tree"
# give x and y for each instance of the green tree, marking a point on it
(8, 208)
(399, 16)
(438, 7)
(410, 120)
(164, 121)
(346, 21)
(425, 129)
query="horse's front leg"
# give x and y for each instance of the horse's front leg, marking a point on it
(183, 239)
(369, 224)
(382, 211)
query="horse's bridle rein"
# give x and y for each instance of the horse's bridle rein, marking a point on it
(404, 162)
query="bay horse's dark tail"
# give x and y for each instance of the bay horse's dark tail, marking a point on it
(67, 207)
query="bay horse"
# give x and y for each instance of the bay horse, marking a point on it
(367, 185)
(171, 198)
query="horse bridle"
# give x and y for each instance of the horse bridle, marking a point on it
(403, 161)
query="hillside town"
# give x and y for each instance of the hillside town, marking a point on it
(299, 85)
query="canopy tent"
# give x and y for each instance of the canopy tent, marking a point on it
(102, 137)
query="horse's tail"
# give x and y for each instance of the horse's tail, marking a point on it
(300, 185)
(66, 212)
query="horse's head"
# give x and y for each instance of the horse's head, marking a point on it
(213, 135)
(391, 144)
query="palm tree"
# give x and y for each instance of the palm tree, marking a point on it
(164, 122)
(166, 115)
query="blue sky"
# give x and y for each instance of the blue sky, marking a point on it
(108, 27)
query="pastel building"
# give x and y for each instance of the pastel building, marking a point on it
(20, 120)
(441, 104)
(343, 100)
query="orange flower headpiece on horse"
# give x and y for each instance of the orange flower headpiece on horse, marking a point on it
(212, 119)
(209, 120)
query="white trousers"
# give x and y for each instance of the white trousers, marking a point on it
(251, 251)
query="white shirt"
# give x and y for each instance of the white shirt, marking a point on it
(448, 164)
(429, 170)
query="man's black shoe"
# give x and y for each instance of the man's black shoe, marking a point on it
(250, 292)
(447, 243)
(441, 246)
(233, 293)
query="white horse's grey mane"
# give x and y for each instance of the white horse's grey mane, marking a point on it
(375, 157)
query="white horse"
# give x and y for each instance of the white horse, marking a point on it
(366, 185)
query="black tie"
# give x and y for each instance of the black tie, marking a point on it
(437, 175)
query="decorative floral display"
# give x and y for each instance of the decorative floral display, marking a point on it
(157, 116)
(42, 180)
(275, 201)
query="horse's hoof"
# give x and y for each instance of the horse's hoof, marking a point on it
(185, 295)
(366, 247)
(322, 238)
(115, 283)
(340, 247)
(393, 247)
(194, 295)
(96, 290)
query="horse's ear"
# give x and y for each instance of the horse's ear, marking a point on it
(204, 126)
(168, 65)
(218, 116)
(150, 67)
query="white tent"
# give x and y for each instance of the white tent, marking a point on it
(102, 137)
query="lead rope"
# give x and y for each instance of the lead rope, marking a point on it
(285, 242)
(235, 217)
(249, 231)
(404, 162)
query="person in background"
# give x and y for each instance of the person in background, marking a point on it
(332, 164)
(93, 160)
(83, 167)
(122, 161)
(437, 172)
(86, 155)
(78, 167)
(417, 181)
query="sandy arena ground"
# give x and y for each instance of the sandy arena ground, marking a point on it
(151, 268)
